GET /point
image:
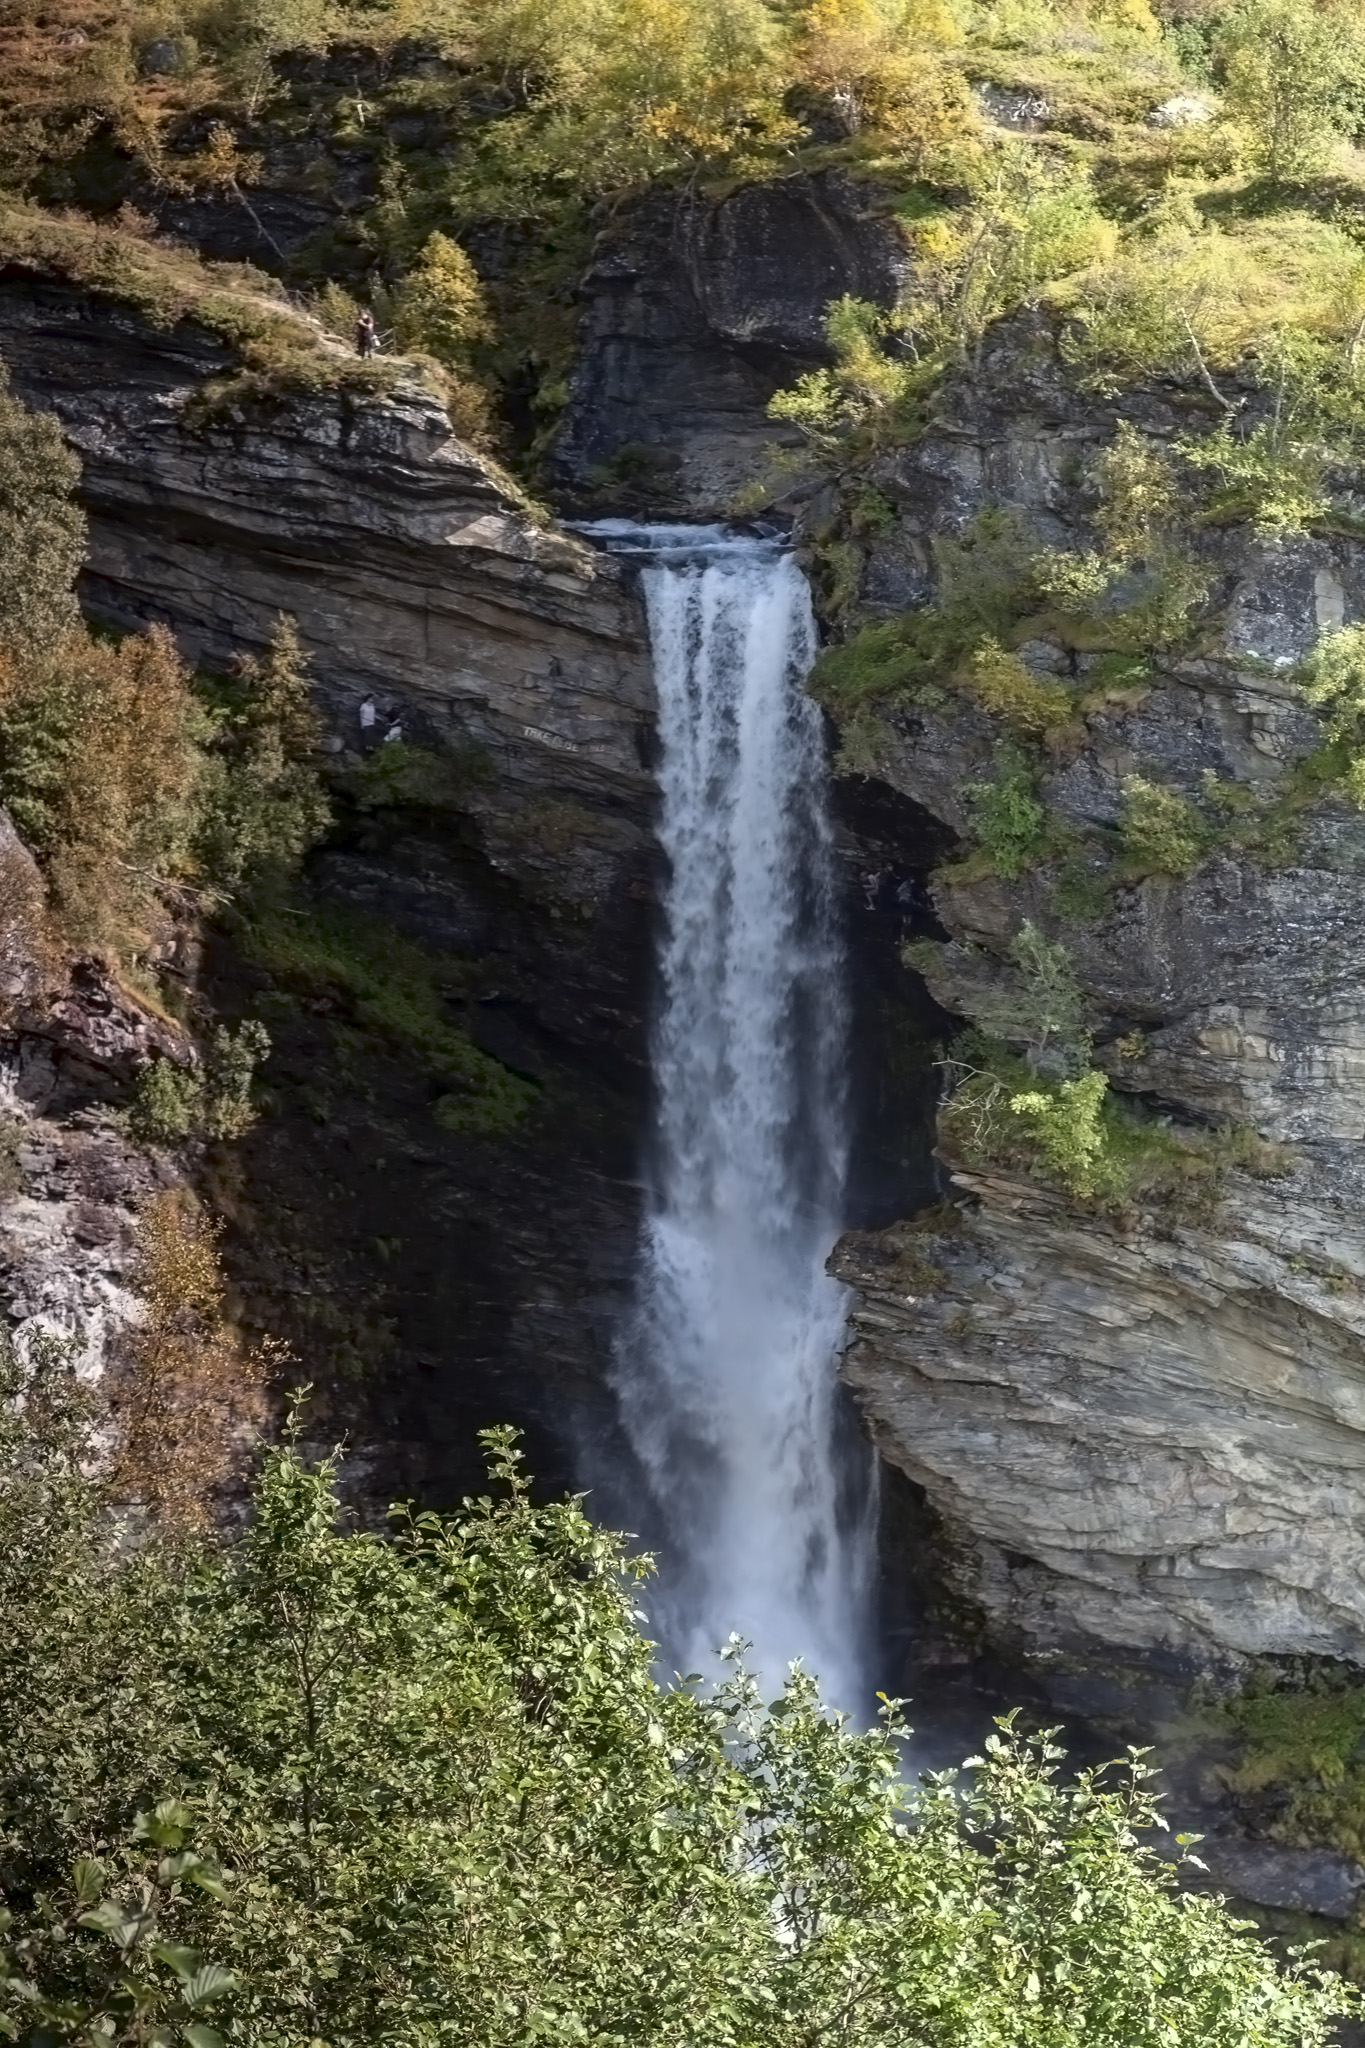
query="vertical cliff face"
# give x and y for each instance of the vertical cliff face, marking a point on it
(694, 312)
(1141, 1420)
(428, 1275)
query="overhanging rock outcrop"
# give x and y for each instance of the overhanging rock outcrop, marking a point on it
(696, 309)
(418, 578)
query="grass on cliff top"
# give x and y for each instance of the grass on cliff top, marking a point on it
(166, 284)
(390, 995)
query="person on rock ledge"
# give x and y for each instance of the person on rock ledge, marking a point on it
(366, 337)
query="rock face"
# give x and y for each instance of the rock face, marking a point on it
(1144, 1434)
(71, 1178)
(416, 576)
(424, 1276)
(695, 312)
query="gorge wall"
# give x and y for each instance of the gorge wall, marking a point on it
(1143, 1429)
(1133, 1431)
(509, 650)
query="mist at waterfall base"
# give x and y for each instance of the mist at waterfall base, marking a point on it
(751, 1481)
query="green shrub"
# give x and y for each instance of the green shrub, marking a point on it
(440, 310)
(261, 803)
(229, 1069)
(1043, 1008)
(1030, 705)
(442, 1796)
(172, 1103)
(1070, 1129)
(167, 1102)
(1009, 821)
(867, 393)
(999, 1113)
(1063, 1123)
(1268, 476)
(42, 530)
(403, 776)
(1334, 681)
(1291, 72)
(1160, 831)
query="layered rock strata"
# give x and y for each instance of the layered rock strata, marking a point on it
(420, 582)
(1144, 1432)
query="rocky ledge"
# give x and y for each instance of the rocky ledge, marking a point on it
(1143, 1429)
(418, 577)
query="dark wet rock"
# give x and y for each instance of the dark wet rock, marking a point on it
(695, 311)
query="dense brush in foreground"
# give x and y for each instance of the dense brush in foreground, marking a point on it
(318, 1787)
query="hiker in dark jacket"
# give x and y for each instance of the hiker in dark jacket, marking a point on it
(366, 336)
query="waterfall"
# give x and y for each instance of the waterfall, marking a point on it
(726, 1374)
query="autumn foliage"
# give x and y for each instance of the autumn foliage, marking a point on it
(190, 1396)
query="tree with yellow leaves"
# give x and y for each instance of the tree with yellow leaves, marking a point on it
(879, 63)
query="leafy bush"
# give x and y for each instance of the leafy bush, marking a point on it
(98, 769)
(440, 310)
(93, 1964)
(1043, 1007)
(1009, 821)
(1216, 293)
(1279, 486)
(868, 391)
(1160, 831)
(1028, 223)
(42, 530)
(458, 1807)
(261, 805)
(1063, 1123)
(167, 1101)
(1334, 680)
(879, 65)
(187, 1395)
(1031, 705)
(172, 1103)
(1290, 75)
(109, 766)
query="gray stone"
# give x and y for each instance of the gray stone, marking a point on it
(695, 312)
(416, 577)
(162, 57)
(1012, 107)
(1183, 110)
(1147, 1430)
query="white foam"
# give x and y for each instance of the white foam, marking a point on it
(727, 1374)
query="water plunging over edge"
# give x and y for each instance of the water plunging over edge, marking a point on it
(760, 1494)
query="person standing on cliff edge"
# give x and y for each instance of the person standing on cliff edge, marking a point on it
(366, 337)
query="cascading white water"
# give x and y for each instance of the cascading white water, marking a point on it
(726, 1375)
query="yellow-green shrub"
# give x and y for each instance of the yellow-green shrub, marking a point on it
(1160, 831)
(1032, 705)
(1334, 681)
(1290, 69)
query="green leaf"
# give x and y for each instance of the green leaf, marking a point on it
(184, 1961)
(209, 1982)
(197, 2035)
(121, 1926)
